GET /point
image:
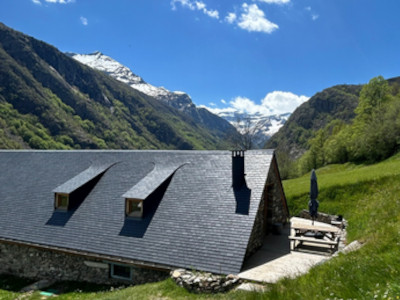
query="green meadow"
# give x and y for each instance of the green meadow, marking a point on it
(368, 196)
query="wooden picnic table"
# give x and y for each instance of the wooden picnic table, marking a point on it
(301, 228)
(330, 232)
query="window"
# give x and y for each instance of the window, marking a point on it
(121, 272)
(134, 207)
(62, 201)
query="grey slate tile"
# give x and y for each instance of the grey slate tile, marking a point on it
(195, 224)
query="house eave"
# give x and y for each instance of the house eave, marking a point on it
(91, 255)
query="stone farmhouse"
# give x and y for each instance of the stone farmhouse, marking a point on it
(131, 216)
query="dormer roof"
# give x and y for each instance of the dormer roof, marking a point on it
(146, 186)
(82, 178)
(195, 225)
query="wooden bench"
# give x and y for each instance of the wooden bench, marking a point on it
(306, 227)
(333, 244)
(338, 224)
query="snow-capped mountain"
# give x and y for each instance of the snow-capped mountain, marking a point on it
(106, 64)
(177, 99)
(261, 127)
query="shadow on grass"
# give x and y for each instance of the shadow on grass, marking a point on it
(15, 284)
(12, 283)
(65, 287)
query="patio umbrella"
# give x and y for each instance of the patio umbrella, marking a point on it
(313, 203)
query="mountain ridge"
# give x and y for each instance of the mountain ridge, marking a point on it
(334, 103)
(337, 102)
(177, 99)
(49, 100)
(262, 127)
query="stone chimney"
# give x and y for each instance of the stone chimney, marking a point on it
(238, 174)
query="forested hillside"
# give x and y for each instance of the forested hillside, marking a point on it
(335, 103)
(50, 101)
(369, 133)
(373, 135)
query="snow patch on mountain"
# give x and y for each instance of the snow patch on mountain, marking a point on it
(178, 99)
(263, 120)
(106, 64)
(261, 127)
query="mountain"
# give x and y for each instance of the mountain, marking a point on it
(106, 64)
(334, 103)
(261, 127)
(49, 100)
(337, 102)
(179, 100)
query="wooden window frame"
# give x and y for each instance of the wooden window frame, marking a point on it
(135, 214)
(57, 201)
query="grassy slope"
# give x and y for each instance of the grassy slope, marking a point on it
(50, 101)
(367, 196)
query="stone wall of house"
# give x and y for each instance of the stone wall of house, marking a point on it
(279, 214)
(272, 196)
(258, 233)
(25, 261)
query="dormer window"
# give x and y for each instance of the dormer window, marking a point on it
(145, 195)
(134, 207)
(69, 195)
(61, 201)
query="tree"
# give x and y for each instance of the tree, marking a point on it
(287, 167)
(248, 130)
(372, 96)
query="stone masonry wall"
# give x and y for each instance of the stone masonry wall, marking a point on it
(25, 261)
(271, 196)
(257, 235)
(199, 282)
(279, 214)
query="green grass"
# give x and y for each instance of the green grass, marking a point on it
(367, 196)
(166, 289)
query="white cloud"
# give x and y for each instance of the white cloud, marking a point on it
(244, 105)
(60, 1)
(230, 18)
(275, 1)
(184, 3)
(274, 103)
(283, 102)
(84, 21)
(200, 5)
(223, 101)
(53, 1)
(314, 17)
(196, 5)
(253, 19)
(212, 13)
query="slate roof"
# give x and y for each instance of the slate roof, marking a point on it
(82, 178)
(152, 181)
(196, 224)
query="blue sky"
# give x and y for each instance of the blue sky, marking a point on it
(247, 54)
